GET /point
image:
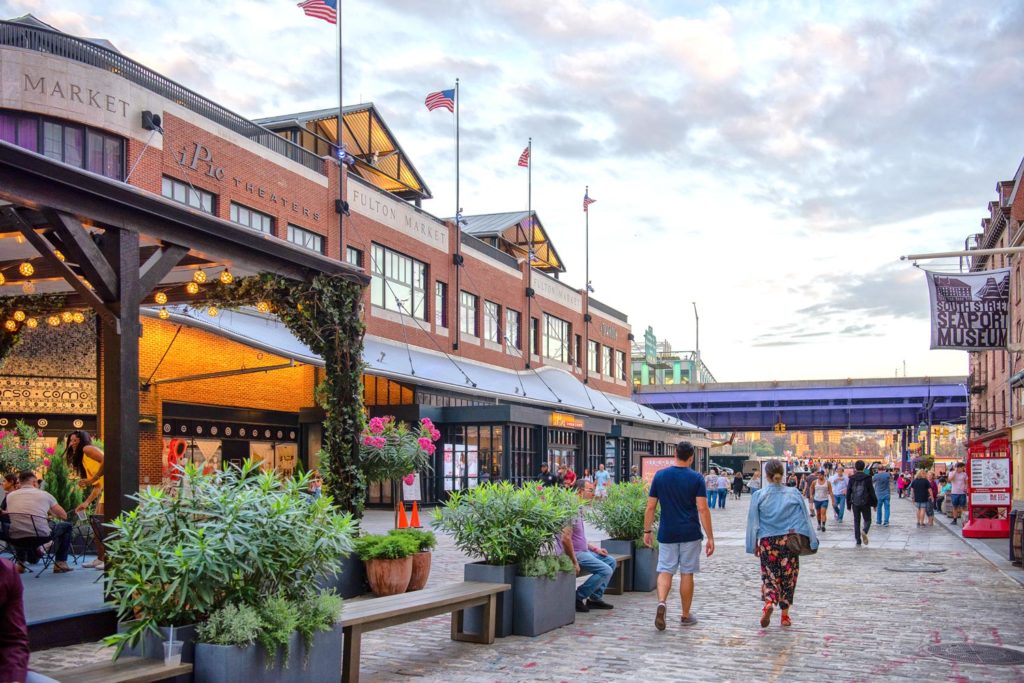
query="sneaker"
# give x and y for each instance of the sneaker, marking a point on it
(598, 604)
(581, 606)
(864, 535)
(858, 544)
(688, 620)
(659, 617)
(886, 524)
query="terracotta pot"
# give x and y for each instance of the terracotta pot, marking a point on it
(389, 577)
(420, 571)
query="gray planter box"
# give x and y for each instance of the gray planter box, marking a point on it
(645, 569)
(613, 545)
(490, 573)
(350, 581)
(152, 646)
(543, 604)
(231, 664)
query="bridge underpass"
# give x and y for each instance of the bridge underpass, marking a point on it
(893, 403)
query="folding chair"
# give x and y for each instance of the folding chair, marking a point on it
(28, 534)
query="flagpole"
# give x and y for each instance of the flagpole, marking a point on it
(458, 207)
(458, 226)
(529, 250)
(341, 157)
(586, 286)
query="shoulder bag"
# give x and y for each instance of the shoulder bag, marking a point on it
(796, 543)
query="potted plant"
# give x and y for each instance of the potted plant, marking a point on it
(621, 514)
(281, 640)
(229, 537)
(425, 541)
(503, 525)
(388, 560)
(545, 595)
(17, 449)
(389, 450)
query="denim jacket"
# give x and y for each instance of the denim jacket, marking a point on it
(775, 510)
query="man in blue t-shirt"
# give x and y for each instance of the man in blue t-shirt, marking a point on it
(684, 510)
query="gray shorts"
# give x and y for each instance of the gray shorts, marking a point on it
(681, 557)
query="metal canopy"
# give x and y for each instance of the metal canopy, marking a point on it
(512, 233)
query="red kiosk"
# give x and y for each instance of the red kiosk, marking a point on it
(988, 490)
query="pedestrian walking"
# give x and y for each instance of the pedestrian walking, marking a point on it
(944, 488)
(776, 511)
(682, 495)
(839, 484)
(860, 498)
(958, 491)
(754, 483)
(711, 485)
(806, 490)
(546, 477)
(821, 492)
(930, 510)
(882, 481)
(921, 492)
(737, 485)
(601, 481)
(901, 485)
(723, 489)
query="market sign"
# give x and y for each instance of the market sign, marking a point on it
(970, 311)
(566, 421)
(50, 395)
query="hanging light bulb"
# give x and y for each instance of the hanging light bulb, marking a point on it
(199, 276)
(160, 298)
(10, 325)
(32, 323)
(2, 279)
(59, 255)
(263, 307)
(192, 288)
(19, 316)
(53, 321)
(226, 277)
(212, 311)
(78, 317)
(66, 317)
(26, 269)
(28, 287)
(164, 313)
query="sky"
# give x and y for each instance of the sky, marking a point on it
(768, 160)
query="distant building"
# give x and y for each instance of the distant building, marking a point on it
(655, 363)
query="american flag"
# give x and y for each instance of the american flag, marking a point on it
(441, 98)
(587, 201)
(524, 158)
(321, 9)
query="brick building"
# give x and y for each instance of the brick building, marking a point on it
(467, 324)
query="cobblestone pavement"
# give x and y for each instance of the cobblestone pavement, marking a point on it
(853, 620)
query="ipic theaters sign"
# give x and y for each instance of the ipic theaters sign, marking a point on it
(970, 311)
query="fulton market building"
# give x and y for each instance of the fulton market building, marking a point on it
(130, 204)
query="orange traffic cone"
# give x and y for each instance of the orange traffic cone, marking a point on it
(414, 517)
(403, 523)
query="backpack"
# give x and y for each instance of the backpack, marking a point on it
(859, 492)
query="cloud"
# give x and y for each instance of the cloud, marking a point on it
(895, 290)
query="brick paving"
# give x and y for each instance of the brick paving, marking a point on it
(853, 620)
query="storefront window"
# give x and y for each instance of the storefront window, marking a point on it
(399, 283)
(522, 443)
(471, 455)
(556, 338)
(563, 448)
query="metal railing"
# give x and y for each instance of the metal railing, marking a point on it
(18, 35)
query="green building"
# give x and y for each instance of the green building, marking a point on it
(656, 363)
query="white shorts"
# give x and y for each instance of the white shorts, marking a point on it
(681, 557)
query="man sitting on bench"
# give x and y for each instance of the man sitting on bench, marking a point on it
(590, 595)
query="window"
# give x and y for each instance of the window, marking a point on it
(188, 195)
(467, 314)
(534, 336)
(620, 363)
(578, 352)
(606, 361)
(399, 283)
(556, 338)
(441, 304)
(250, 218)
(307, 239)
(492, 322)
(75, 145)
(592, 355)
(354, 256)
(513, 321)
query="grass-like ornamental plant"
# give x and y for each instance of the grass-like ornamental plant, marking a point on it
(231, 537)
(424, 539)
(504, 524)
(386, 547)
(621, 512)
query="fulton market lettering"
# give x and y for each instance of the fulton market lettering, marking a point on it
(72, 92)
(970, 311)
(198, 157)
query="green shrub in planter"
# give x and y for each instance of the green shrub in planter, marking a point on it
(621, 512)
(546, 565)
(504, 524)
(425, 540)
(386, 547)
(230, 537)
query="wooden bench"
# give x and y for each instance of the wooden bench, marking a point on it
(362, 616)
(124, 670)
(617, 584)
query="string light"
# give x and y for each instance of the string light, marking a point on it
(226, 277)
(28, 287)
(192, 288)
(66, 317)
(2, 279)
(32, 323)
(53, 321)
(212, 311)
(59, 255)
(160, 298)
(164, 314)
(199, 276)
(26, 269)
(19, 316)
(10, 325)
(79, 317)
(263, 307)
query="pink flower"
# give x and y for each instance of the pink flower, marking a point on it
(46, 461)
(424, 442)
(367, 440)
(434, 434)
(379, 442)
(39, 434)
(426, 422)
(376, 425)
(431, 449)
(409, 479)
(50, 450)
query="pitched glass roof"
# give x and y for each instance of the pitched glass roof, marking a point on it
(512, 232)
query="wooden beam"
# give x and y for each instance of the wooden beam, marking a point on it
(46, 251)
(85, 252)
(158, 265)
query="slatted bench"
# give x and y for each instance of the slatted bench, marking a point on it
(362, 616)
(617, 584)
(124, 670)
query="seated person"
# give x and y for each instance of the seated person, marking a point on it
(10, 483)
(590, 595)
(27, 510)
(14, 651)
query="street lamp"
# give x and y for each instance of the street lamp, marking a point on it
(696, 318)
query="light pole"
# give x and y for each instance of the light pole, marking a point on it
(696, 318)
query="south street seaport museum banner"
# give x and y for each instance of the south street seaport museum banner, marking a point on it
(970, 311)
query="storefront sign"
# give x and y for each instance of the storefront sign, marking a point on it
(651, 465)
(970, 311)
(397, 215)
(48, 395)
(555, 291)
(989, 487)
(566, 421)
(411, 487)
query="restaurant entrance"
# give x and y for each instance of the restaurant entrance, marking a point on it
(563, 449)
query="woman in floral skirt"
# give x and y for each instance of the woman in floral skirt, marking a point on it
(776, 511)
